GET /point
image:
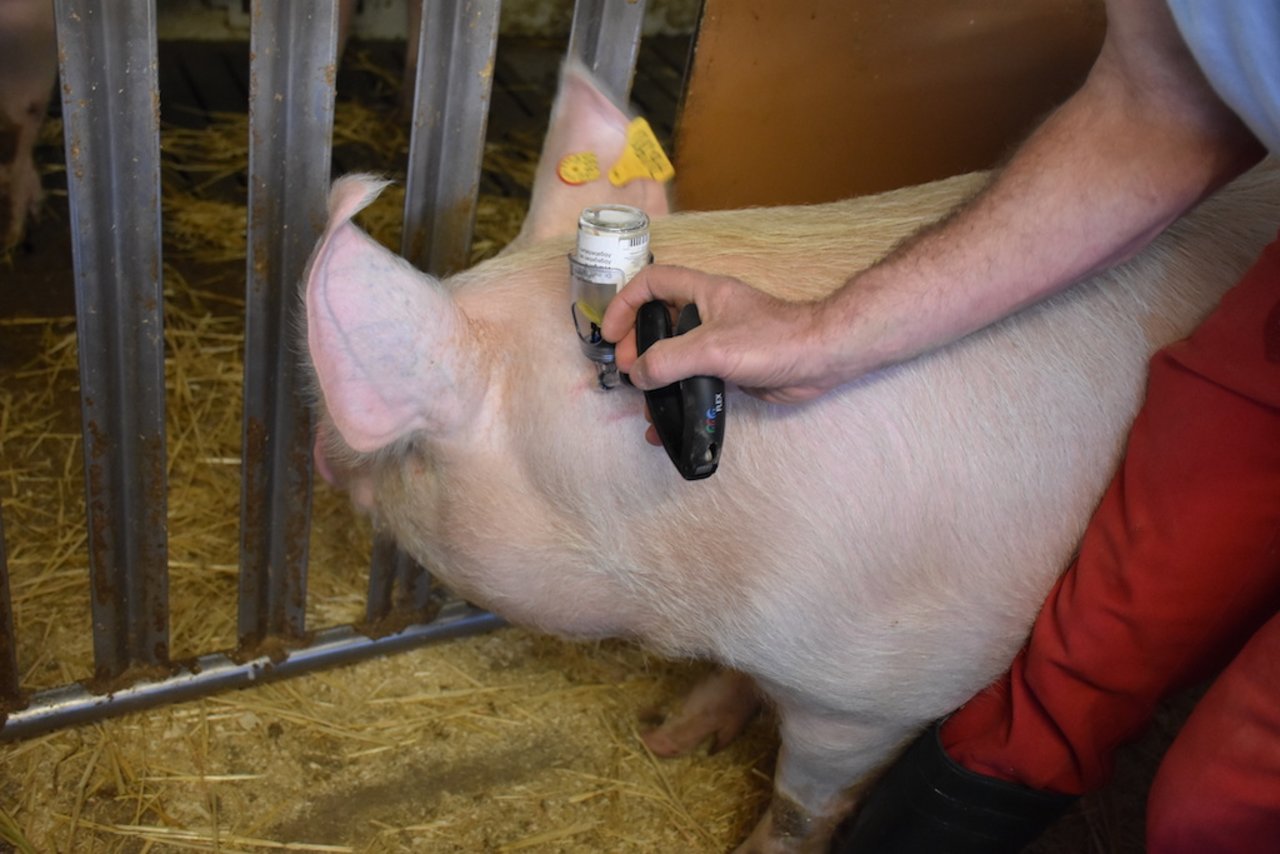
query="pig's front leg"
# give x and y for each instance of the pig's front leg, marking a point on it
(822, 765)
(718, 708)
(28, 66)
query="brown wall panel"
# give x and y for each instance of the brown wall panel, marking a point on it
(795, 101)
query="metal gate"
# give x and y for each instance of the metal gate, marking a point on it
(110, 102)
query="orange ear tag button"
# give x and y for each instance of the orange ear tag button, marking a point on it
(579, 168)
(642, 158)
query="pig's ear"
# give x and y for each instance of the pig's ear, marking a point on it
(587, 138)
(390, 348)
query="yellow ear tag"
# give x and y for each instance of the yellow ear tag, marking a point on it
(580, 168)
(642, 158)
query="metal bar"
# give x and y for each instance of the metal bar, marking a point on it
(69, 705)
(10, 687)
(291, 99)
(110, 108)
(456, 46)
(606, 37)
(414, 584)
(383, 573)
(396, 582)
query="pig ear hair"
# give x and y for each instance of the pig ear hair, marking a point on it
(584, 120)
(351, 194)
(385, 339)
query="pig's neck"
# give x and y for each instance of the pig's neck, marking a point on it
(621, 500)
(597, 501)
(554, 511)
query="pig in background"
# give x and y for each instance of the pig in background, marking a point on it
(28, 71)
(28, 66)
(870, 559)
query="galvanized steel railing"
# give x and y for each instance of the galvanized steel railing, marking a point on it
(110, 101)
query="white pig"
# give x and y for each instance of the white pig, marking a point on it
(28, 66)
(871, 559)
(28, 69)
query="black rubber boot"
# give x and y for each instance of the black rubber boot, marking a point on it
(926, 803)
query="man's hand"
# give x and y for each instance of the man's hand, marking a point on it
(770, 348)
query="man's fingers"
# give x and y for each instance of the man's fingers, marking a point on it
(670, 360)
(625, 352)
(652, 370)
(675, 285)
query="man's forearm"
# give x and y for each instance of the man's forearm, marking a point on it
(1094, 184)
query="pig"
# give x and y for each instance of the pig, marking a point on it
(866, 561)
(28, 67)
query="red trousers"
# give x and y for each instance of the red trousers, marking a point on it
(1178, 577)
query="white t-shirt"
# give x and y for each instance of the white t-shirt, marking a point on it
(1237, 44)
